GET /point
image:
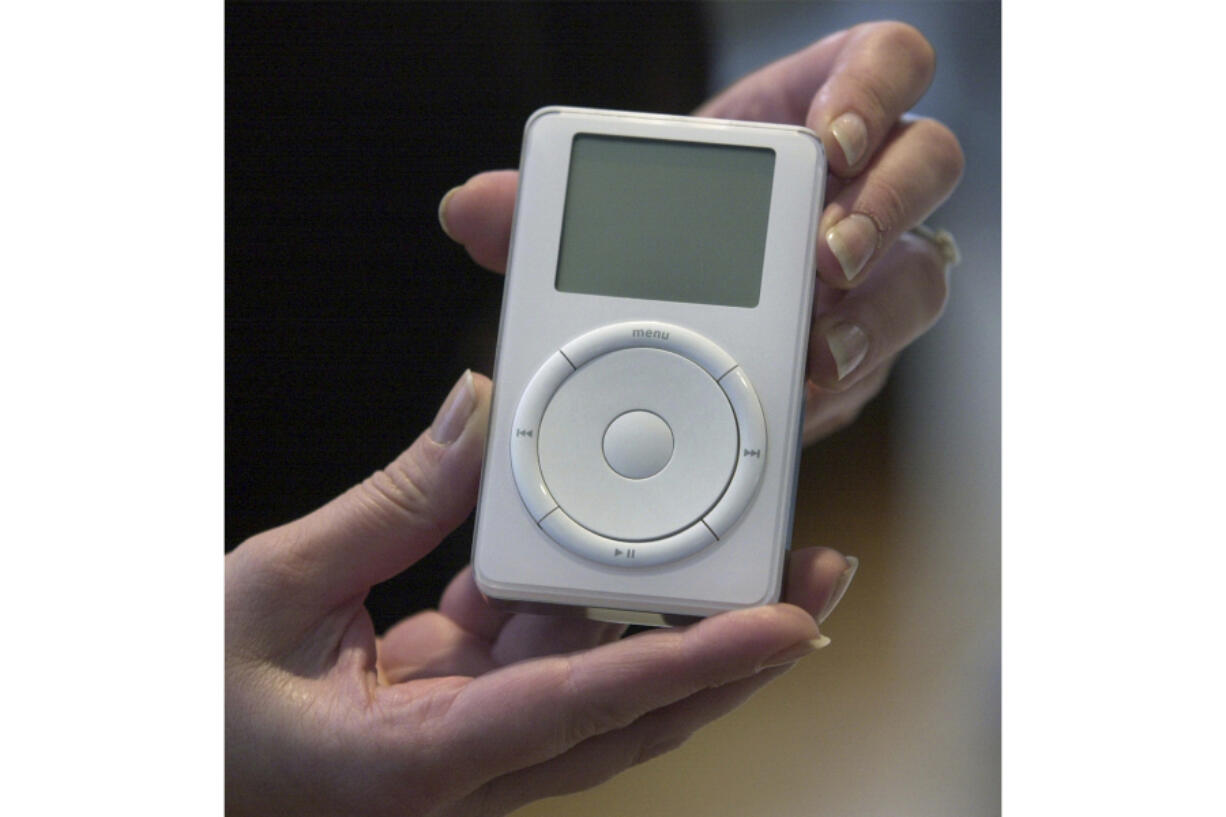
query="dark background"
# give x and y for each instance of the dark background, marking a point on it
(349, 314)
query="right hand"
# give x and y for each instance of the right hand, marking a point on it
(879, 288)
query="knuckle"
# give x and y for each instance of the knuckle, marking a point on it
(278, 558)
(590, 720)
(872, 98)
(589, 717)
(894, 63)
(397, 496)
(885, 204)
(398, 489)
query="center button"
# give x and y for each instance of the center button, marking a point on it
(638, 444)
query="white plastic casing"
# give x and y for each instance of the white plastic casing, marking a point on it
(516, 560)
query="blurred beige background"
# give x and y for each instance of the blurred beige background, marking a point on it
(901, 714)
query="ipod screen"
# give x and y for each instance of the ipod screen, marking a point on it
(665, 220)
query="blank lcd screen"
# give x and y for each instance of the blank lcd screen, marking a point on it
(665, 220)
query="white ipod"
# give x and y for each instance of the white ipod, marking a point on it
(649, 380)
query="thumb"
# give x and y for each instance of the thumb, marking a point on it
(478, 215)
(393, 518)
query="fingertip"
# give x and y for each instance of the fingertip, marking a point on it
(480, 419)
(882, 70)
(831, 268)
(477, 214)
(846, 134)
(463, 602)
(847, 242)
(813, 579)
(930, 255)
(846, 248)
(787, 622)
(837, 352)
(482, 385)
(841, 583)
(800, 618)
(828, 268)
(442, 211)
(466, 407)
(850, 133)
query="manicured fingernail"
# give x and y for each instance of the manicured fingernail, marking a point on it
(442, 211)
(851, 133)
(456, 410)
(848, 345)
(796, 652)
(840, 587)
(852, 241)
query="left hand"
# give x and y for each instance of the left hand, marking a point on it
(463, 710)
(879, 288)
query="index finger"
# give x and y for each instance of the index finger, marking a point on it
(881, 71)
(530, 712)
(782, 91)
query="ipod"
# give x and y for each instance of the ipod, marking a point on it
(649, 377)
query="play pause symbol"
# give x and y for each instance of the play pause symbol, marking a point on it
(629, 553)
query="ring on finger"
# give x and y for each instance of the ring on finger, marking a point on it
(943, 240)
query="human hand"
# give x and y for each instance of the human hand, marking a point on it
(879, 287)
(463, 710)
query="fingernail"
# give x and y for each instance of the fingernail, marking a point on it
(848, 345)
(851, 133)
(442, 211)
(852, 241)
(796, 652)
(456, 410)
(840, 587)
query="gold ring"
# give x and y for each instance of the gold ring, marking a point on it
(942, 240)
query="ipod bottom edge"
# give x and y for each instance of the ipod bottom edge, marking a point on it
(642, 618)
